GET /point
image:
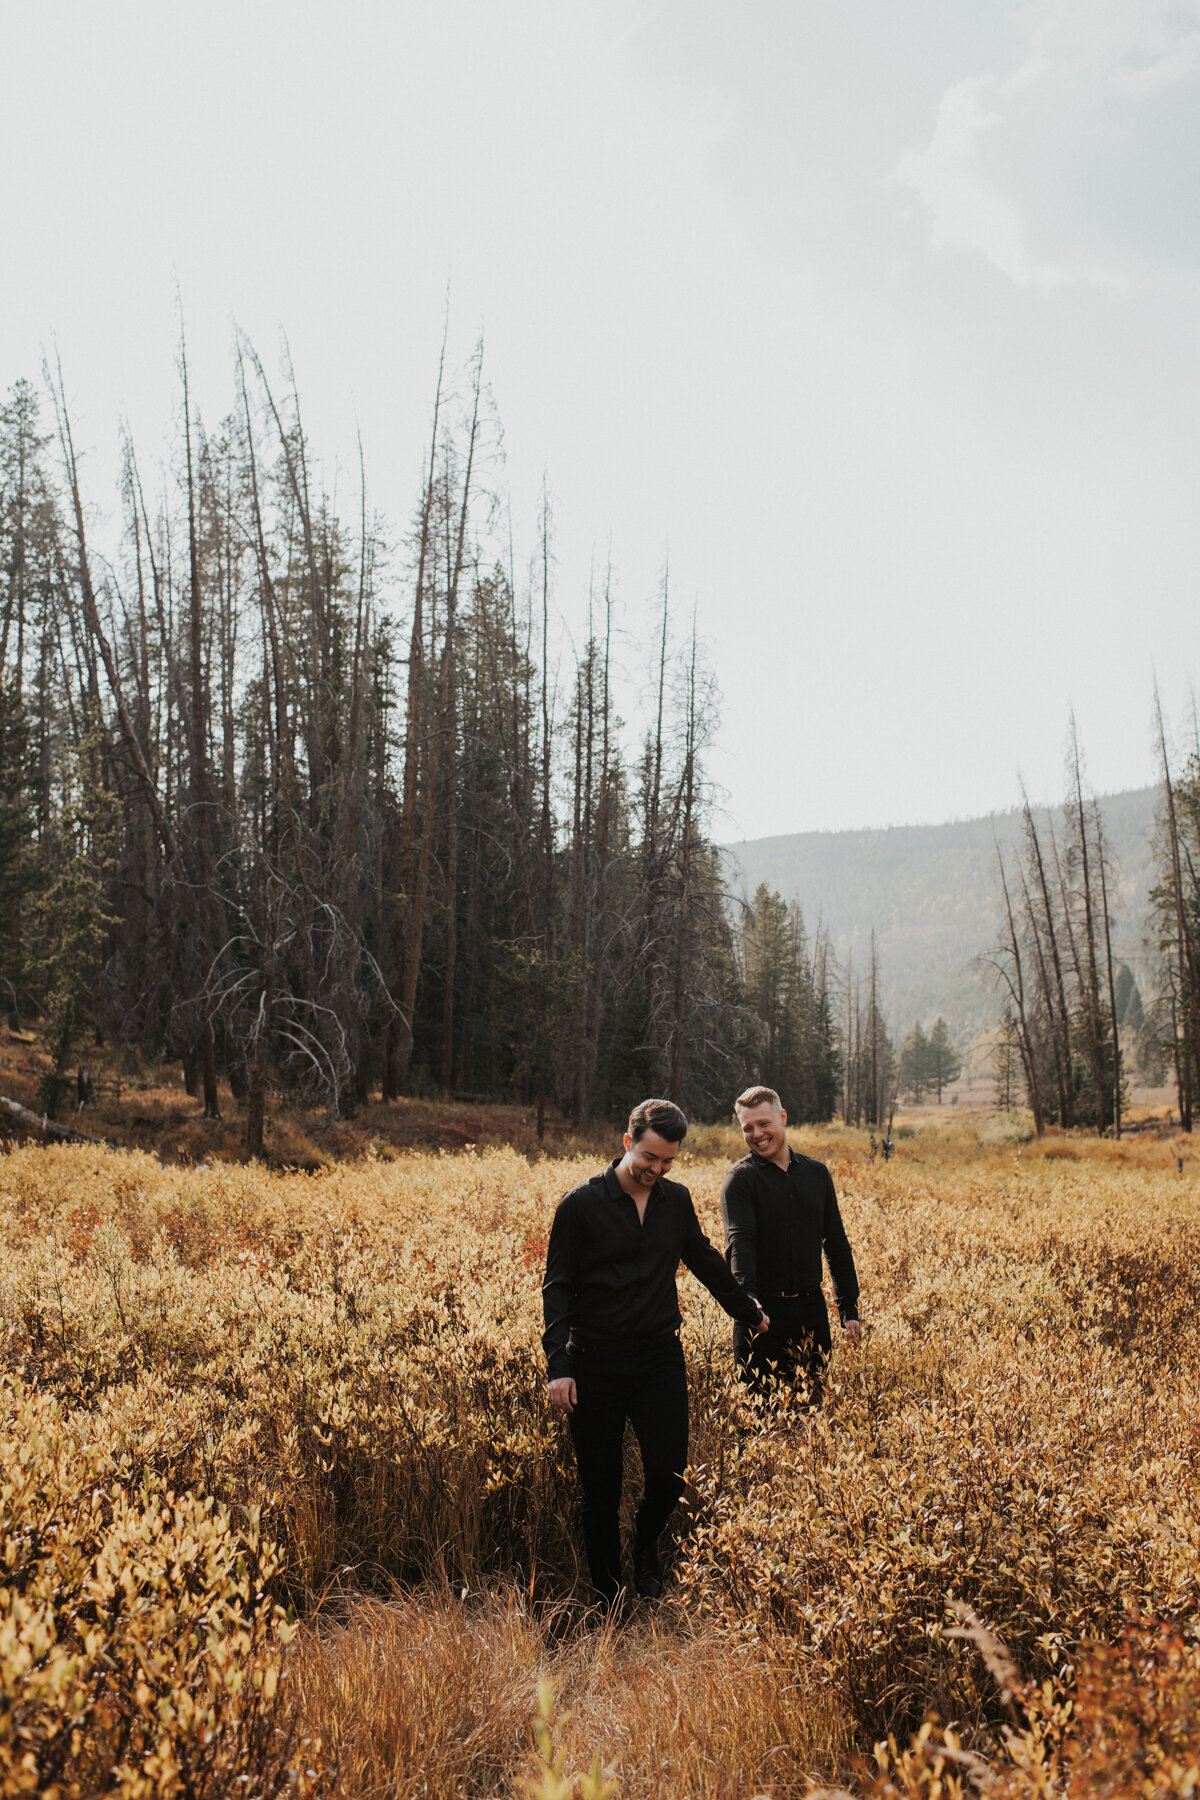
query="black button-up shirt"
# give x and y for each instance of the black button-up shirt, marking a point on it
(611, 1277)
(778, 1221)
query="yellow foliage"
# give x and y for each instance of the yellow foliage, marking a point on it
(226, 1392)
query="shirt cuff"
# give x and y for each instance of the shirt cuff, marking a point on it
(559, 1365)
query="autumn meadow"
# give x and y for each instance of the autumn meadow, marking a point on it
(286, 1510)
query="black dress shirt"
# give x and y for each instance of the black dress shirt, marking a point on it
(611, 1278)
(778, 1221)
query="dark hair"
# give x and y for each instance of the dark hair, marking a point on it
(662, 1116)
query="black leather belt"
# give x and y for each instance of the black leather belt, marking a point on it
(630, 1343)
(794, 1294)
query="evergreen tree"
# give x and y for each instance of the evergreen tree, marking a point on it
(1006, 1062)
(771, 990)
(17, 867)
(786, 991)
(73, 916)
(915, 1064)
(944, 1063)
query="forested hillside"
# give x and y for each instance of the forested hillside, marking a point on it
(931, 895)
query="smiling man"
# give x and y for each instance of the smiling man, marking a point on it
(612, 1335)
(781, 1217)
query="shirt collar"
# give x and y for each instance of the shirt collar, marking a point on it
(613, 1188)
(764, 1162)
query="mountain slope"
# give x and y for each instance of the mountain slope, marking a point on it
(931, 894)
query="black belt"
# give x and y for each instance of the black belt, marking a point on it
(644, 1341)
(794, 1294)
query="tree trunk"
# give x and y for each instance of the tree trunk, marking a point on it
(1016, 987)
(451, 869)
(1060, 1019)
(1112, 986)
(1092, 1010)
(1189, 974)
(398, 1048)
(199, 749)
(600, 935)
(685, 895)
(414, 916)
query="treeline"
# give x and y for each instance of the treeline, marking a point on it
(1075, 1029)
(305, 809)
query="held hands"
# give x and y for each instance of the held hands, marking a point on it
(563, 1393)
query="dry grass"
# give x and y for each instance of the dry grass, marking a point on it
(353, 1355)
(430, 1695)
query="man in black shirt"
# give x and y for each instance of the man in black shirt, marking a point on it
(612, 1335)
(780, 1214)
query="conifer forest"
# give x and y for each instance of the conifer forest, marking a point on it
(306, 802)
(309, 803)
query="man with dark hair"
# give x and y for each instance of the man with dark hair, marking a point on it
(780, 1214)
(612, 1335)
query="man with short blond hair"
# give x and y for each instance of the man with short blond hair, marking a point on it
(781, 1220)
(612, 1335)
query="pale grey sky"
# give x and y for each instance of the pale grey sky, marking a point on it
(883, 319)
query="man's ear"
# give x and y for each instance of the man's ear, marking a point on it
(627, 1141)
(783, 1114)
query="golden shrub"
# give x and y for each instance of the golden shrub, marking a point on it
(139, 1650)
(227, 1391)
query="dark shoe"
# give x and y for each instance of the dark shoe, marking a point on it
(647, 1572)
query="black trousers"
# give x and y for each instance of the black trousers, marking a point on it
(645, 1383)
(798, 1344)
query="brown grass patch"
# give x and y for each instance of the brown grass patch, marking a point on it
(428, 1695)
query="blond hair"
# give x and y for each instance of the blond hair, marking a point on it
(758, 1096)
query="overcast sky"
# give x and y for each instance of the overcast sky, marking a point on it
(883, 320)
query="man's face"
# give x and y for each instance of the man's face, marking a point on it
(650, 1157)
(763, 1127)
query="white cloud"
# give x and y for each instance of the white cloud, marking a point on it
(968, 212)
(1079, 164)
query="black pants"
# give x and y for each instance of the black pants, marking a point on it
(798, 1344)
(646, 1384)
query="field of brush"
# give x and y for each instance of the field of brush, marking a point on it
(284, 1509)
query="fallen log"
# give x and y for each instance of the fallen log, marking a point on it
(47, 1127)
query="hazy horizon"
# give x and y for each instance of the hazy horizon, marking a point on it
(995, 812)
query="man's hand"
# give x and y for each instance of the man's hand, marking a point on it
(764, 1324)
(562, 1393)
(852, 1331)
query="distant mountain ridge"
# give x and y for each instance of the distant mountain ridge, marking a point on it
(931, 894)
